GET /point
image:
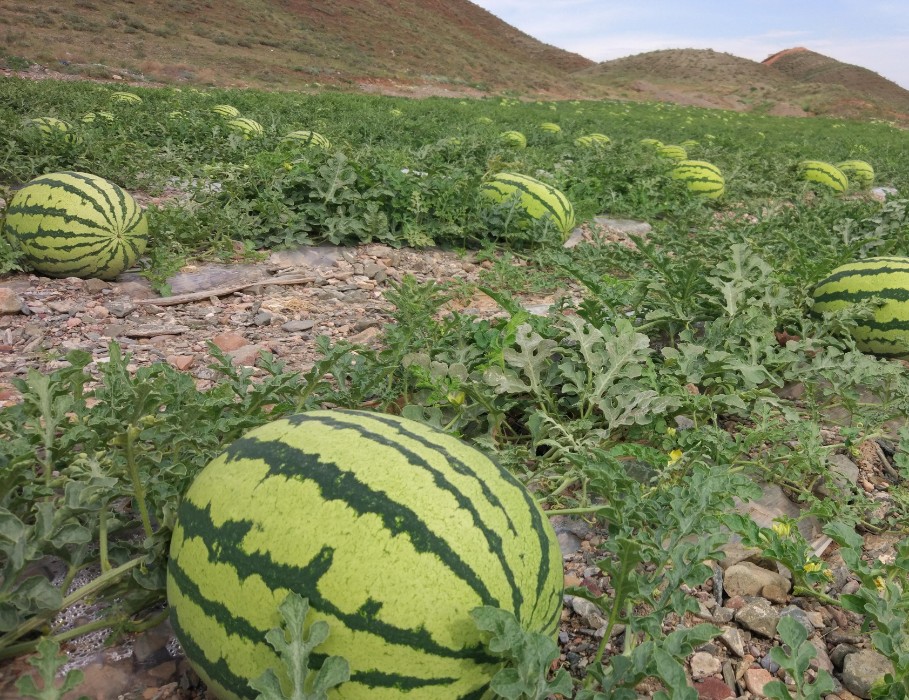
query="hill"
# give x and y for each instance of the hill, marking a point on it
(288, 43)
(699, 77)
(861, 85)
(793, 81)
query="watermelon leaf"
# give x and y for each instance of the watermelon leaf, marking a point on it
(48, 661)
(530, 654)
(305, 684)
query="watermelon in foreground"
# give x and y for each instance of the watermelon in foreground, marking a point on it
(536, 199)
(822, 173)
(702, 178)
(886, 278)
(73, 224)
(393, 530)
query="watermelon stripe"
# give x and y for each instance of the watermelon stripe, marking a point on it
(499, 182)
(66, 219)
(898, 294)
(880, 268)
(441, 482)
(70, 188)
(369, 501)
(197, 522)
(218, 670)
(111, 215)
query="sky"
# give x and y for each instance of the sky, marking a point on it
(873, 34)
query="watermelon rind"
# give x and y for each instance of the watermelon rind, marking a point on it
(536, 199)
(702, 178)
(826, 174)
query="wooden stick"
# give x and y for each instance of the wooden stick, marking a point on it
(223, 291)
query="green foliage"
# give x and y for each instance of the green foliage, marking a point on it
(794, 659)
(529, 656)
(48, 661)
(295, 644)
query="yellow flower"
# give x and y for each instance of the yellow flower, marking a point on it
(671, 432)
(675, 456)
(879, 584)
(783, 529)
(811, 567)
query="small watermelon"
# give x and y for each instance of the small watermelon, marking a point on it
(535, 198)
(823, 174)
(514, 139)
(702, 178)
(859, 172)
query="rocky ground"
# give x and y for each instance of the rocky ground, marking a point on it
(282, 305)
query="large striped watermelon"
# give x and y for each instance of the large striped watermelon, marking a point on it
(246, 126)
(513, 138)
(304, 137)
(228, 111)
(823, 174)
(551, 127)
(535, 198)
(592, 140)
(672, 152)
(702, 178)
(887, 278)
(73, 224)
(393, 530)
(859, 172)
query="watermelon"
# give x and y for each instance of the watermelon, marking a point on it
(72, 224)
(51, 127)
(550, 127)
(91, 117)
(307, 138)
(651, 142)
(887, 278)
(859, 173)
(672, 152)
(484, 120)
(590, 140)
(126, 97)
(823, 174)
(226, 111)
(513, 138)
(535, 198)
(688, 143)
(394, 532)
(245, 126)
(702, 178)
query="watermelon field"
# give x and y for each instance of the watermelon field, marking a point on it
(752, 338)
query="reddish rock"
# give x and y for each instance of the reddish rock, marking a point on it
(10, 302)
(228, 341)
(713, 689)
(246, 355)
(181, 362)
(755, 679)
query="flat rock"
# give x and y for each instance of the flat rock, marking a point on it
(755, 679)
(713, 689)
(10, 302)
(862, 669)
(704, 665)
(758, 616)
(747, 579)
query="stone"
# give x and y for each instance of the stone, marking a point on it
(569, 543)
(246, 355)
(10, 302)
(732, 638)
(758, 616)
(799, 615)
(704, 665)
(298, 326)
(843, 473)
(748, 579)
(755, 679)
(713, 689)
(181, 362)
(822, 660)
(101, 681)
(120, 309)
(150, 646)
(862, 669)
(227, 341)
(840, 652)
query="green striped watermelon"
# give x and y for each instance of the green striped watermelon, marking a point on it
(535, 198)
(73, 224)
(226, 111)
(651, 142)
(91, 117)
(126, 97)
(248, 127)
(304, 137)
(393, 530)
(859, 172)
(51, 127)
(513, 138)
(823, 174)
(887, 278)
(550, 127)
(672, 152)
(702, 178)
(592, 140)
